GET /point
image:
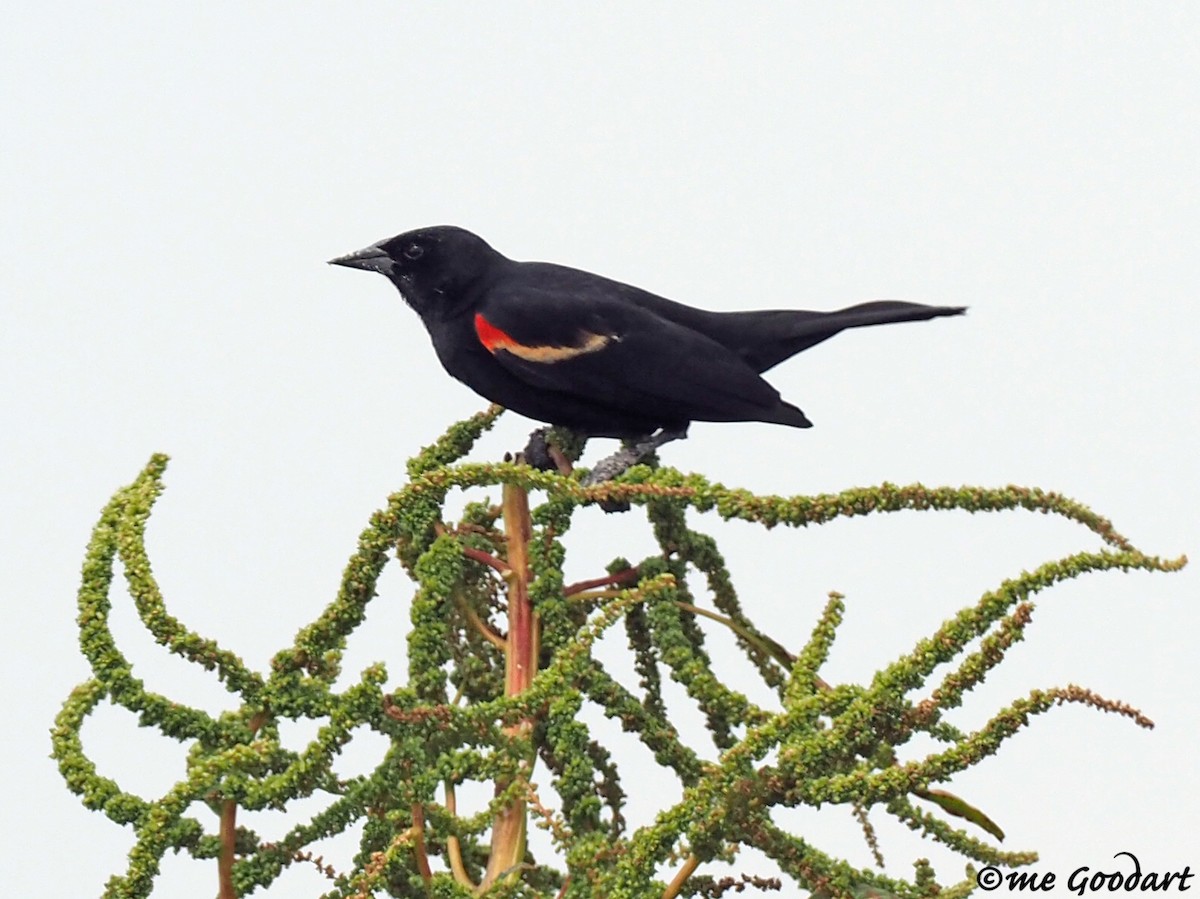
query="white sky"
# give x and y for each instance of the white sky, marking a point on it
(175, 177)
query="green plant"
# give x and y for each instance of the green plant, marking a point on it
(488, 704)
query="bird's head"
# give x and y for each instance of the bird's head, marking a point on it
(433, 268)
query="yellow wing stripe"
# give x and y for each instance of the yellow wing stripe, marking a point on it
(495, 339)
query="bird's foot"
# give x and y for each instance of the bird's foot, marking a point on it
(537, 451)
(553, 449)
(625, 458)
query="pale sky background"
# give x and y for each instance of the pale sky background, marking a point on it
(175, 176)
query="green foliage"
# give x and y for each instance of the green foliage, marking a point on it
(453, 722)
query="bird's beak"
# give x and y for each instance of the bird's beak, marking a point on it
(371, 259)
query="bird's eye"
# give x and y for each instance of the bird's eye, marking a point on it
(413, 251)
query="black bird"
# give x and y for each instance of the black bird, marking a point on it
(600, 357)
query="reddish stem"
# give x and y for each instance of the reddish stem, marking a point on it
(629, 575)
(228, 832)
(418, 816)
(486, 558)
(521, 659)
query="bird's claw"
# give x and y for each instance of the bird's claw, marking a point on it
(537, 451)
(541, 453)
(612, 467)
(553, 449)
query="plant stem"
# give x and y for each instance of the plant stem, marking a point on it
(228, 844)
(688, 869)
(453, 846)
(621, 577)
(521, 658)
(228, 832)
(422, 855)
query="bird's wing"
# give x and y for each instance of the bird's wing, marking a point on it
(623, 357)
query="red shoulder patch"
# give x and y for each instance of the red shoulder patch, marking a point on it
(495, 339)
(490, 336)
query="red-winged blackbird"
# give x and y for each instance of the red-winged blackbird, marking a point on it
(602, 358)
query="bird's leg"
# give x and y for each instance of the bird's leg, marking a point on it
(631, 454)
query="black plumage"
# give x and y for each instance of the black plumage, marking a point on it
(603, 358)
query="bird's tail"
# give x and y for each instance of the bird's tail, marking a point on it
(779, 335)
